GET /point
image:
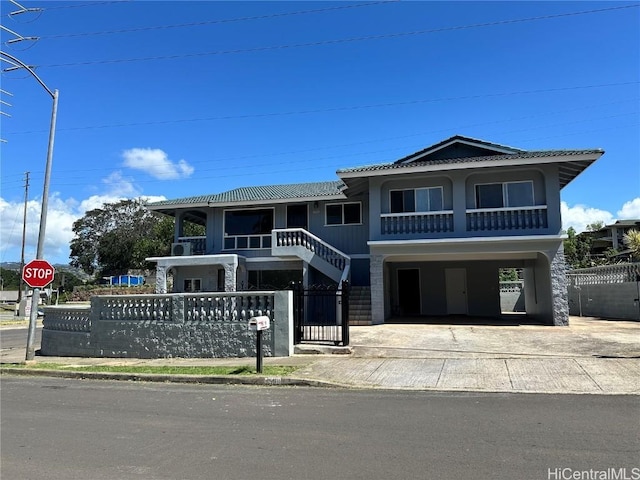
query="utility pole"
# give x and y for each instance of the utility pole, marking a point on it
(24, 234)
(30, 354)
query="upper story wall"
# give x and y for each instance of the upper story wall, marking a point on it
(344, 231)
(499, 201)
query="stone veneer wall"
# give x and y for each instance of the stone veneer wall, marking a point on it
(377, 289)
(559, 288)
(171, 325)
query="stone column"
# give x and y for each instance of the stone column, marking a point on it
(230, 277)
(559, 291)
(376, 272)
(161, 279)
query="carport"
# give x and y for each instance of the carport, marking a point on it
(458, 278)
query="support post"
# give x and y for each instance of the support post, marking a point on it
(259, 351)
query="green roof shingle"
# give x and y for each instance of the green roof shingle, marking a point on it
(260, 194)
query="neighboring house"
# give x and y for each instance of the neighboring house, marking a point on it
(424, 235)
(611, 237)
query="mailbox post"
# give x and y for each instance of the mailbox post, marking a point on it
(258, 324)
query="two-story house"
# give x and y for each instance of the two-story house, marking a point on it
(425, 235)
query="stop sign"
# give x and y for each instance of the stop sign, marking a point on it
(38, 273)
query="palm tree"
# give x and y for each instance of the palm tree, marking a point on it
(632, 240)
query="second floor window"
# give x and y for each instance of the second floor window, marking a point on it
(508, 194)
(416, 200)
(245, 229)
(343, 214)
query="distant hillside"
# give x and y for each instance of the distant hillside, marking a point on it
(60, 267)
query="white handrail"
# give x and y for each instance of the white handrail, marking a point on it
(299, 237)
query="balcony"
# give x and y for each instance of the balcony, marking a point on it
(509, 219)
(416, 222)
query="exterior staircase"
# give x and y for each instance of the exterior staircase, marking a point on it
(297, 242)
(360, 306)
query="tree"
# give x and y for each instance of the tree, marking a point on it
(118, 237)
(577, 249)
(10, 279)
(595, 226)
(632, 240)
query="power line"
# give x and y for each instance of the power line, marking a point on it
(338, 41)
(215, 22)
(337, 109)
(377, 140)
(335, 165)
(91, 4)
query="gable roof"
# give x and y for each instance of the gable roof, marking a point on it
(244, 196)
(447, 149)
(570, 164)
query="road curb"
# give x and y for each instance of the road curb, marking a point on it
(270, 381)
(273, 381)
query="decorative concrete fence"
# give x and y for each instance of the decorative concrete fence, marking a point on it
(610, 291)
(194, 325)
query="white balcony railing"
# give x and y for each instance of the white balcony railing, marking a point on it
(247, 242)
(416, 222)
(520, 218)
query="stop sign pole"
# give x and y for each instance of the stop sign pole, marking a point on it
(37, 274)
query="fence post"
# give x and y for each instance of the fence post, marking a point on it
(296, 287)
(345, 312)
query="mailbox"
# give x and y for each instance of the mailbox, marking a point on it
(257, 324)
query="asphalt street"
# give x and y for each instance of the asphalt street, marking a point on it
(80, 429)
(14, 340)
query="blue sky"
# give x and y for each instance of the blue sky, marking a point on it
(174, 99)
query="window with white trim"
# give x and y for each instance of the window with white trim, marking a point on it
(343, 214)
(248, 229)
(507, 194)
(428, 199)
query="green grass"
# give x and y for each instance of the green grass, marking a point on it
(270, 370)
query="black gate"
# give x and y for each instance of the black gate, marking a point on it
(321, 314)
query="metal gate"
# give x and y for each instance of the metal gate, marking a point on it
(321, 313)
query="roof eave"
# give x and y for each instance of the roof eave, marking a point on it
(489, 162)
(246, 203)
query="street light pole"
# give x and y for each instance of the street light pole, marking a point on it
(33, 318)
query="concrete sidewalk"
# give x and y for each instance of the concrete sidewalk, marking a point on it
(591, 356)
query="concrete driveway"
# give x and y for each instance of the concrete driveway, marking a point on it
(584, 337)
(591, 356)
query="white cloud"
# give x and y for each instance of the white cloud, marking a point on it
(61, 214)
(579, 216)
(60, 218)
(156, 163)
(630, 210)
